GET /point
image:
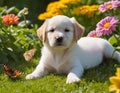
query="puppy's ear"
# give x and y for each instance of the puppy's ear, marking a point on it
(42, 30)
(79, 29)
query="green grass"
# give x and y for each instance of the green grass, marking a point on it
(95, 80)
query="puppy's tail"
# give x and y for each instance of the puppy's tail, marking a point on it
(116, 55)
(110, 52)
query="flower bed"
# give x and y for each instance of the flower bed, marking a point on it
(16, 34)
(101, 19)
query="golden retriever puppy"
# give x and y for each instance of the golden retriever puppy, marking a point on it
(65, 52)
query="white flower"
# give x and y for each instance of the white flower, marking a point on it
(23, 11)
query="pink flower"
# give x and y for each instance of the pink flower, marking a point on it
(10, 19)
(107, 25)
(114, 0)
(94, 34)
(109, 5)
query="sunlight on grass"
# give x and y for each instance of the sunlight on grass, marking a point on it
(94, 80)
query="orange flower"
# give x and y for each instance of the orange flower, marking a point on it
(10, 19)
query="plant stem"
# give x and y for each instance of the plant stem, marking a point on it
(24, 20)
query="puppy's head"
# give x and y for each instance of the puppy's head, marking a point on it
(60, 31)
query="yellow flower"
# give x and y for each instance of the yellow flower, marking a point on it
(81, 10)
(53, 9)
(115, 80)
(49, 14)
(118, 72)
(86, 10)
(55, 5)
(70, 1)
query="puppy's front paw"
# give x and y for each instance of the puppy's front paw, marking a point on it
(30, 76)
(72, 78)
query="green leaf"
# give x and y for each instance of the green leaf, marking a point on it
(3, 57)
(118, 48)
(112, 40)
(10, 9)
(13, 56)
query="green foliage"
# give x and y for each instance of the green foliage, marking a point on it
(113, 40)
(94, 80)
(16, 39)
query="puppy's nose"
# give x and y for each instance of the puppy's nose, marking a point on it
(59, 39)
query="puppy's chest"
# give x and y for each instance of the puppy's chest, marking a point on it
(60, 63)
(58, 60)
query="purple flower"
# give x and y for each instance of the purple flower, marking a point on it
(109, 5)
(107, 25)
(94, 34)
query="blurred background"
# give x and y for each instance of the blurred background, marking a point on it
(35, 7)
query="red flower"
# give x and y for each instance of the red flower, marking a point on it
(10, 19)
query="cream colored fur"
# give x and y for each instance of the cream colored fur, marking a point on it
(72, 54)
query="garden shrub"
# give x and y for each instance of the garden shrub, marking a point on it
(16, 34)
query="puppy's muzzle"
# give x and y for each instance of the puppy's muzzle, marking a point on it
(59, 40)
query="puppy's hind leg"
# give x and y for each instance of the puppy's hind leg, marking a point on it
(110, 52)
(116, 55)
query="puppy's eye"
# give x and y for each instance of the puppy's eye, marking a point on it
(67, 30)
(52, 30)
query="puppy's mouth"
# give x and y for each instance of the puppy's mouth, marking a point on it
(59, 44)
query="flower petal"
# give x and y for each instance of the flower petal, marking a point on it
(115, 80)
(118, 72)
(112, 88)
